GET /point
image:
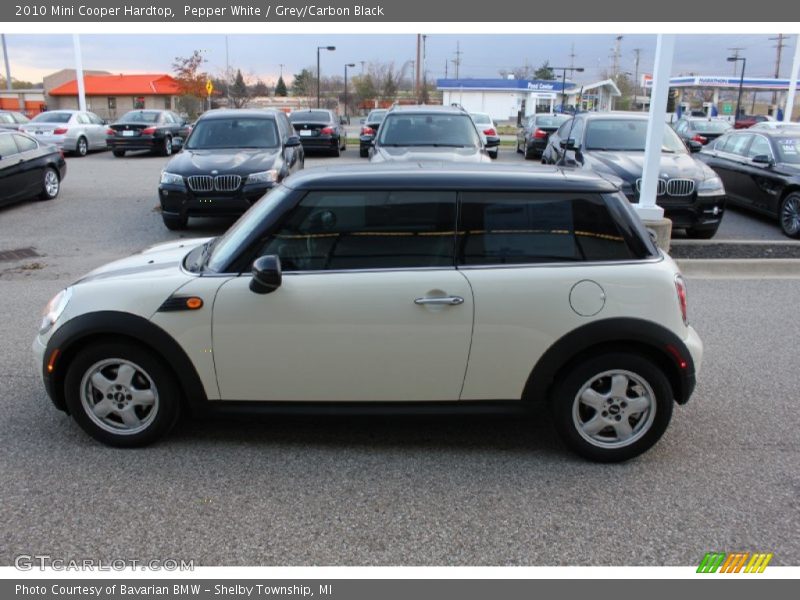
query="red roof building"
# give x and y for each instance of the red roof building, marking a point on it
(109, 95)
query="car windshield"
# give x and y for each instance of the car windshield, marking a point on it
(711, 126)
(627, 135)
(224, 249)
(481, 119)
(551, 120)
(454, 130)
(52, 117)
(788, 149)
(310, 116)
(140, 116)
(233, 132)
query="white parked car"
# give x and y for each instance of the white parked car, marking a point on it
(72, 131)
(389, 288)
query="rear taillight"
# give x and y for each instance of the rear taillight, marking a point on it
(538, 134)
(699, 138)
(148, 131)
(367, 131)
(60, 131)
(110, 131)
(490, 131)
(680, 289)
(326, 131)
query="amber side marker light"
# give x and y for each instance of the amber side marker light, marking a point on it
(51, 364)
(194, 303)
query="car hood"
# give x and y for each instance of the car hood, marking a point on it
(240, 161)
(628, 166)
(427, 153)
(161, 260)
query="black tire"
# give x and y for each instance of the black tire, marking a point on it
(789, 216)
(702, 234)
(146, 377)
(175, 222)
(166, 146)
(336, 151)
(519, 149)
(82, 147)
(363, 153)
(493, 155)
(118, 153)
(530, 154)
(344, 144)
(646, 427)
(51, 184)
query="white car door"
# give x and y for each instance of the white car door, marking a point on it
(371, 307)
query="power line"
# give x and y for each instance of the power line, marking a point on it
(779, 46)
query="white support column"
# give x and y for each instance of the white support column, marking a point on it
(76, 43)
(787, 114)
(647, 208)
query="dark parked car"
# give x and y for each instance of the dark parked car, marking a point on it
(690, 193)
(761, 172)
(28, 168)
(10, 119)
(230, 160)
(155, 130)
(486, 125)
(319, 130)
(701, 130)
(533, 135)
(429, 133)
(369, 130)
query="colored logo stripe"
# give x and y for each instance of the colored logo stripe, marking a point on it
(733, 563)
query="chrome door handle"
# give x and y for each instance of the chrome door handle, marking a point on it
(440, 301)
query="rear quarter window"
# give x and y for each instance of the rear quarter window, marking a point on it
(498, 228)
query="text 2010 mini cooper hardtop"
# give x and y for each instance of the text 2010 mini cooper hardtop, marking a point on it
(389, 288)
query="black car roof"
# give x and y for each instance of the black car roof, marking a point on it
(226, 113)
(439, 175)
(427, 108)
(609, 116)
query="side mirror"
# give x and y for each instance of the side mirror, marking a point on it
(567, 144)
(292, 141)
(267, 275)
(762, 159)
(694, 146)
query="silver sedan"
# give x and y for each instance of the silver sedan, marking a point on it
(71, 130)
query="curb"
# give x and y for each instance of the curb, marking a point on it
(741, 268)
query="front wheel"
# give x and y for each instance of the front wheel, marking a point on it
(790, 215)
(612, 407)
(121, 394)
(51, 184)
(166, 146)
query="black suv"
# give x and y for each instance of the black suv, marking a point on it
(612, 144)
(437, 133)
(230, 160)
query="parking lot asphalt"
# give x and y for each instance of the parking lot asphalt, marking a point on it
(421, 491)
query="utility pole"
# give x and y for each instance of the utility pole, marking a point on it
(227, 73)
(735, 55)
(363, 62)
(617, 44)
(572, 56)
(281, 65)
(446, 62)
(417, 66)
(779, 47)
(9, 86)
(636, 51)
(457, 60)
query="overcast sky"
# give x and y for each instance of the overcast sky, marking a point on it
(33, 56)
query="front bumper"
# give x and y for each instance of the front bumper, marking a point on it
(186, 203)
(695, 212)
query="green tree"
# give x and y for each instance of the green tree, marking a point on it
(259, 88)
(545, 72)
(280, 88)
(304, 83)
(238, 91)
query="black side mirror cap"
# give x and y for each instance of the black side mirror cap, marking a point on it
(694, 145)
(267, 274)
(567, 144)
(292, 141)
(762, 159)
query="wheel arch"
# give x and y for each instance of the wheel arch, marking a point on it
(97, 327)
(638, 336)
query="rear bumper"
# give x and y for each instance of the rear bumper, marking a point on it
(326, 142)
(185, 203)
(143, 142)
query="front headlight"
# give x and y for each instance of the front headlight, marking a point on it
(54, 308)
(270, 176)
(172, 179)
(711, 187)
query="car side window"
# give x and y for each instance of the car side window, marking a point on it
(576, 133)
(7, 146)
(25, 144)
(344, 230)
(499, 228)
(94, 119)
(760, 146)
(83, 119)
(737, 144)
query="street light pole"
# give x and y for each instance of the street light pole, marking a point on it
(734, 59)
(330, 48)
(564, 81)
(346, 118)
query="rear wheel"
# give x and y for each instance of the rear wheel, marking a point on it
(790, 215)
(529, 154)
(336, 151)
(51, 184)
(363, 152)
(166, 146)
(613, 407)
(121, 394)
(118, 153)
(519, 150)
(492, 154)
(175, 222)
(82, 147)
